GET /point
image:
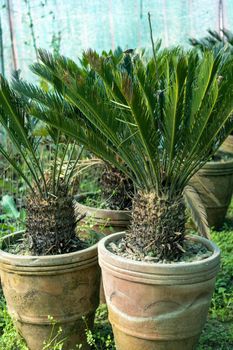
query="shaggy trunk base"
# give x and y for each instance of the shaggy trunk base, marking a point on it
(50, 225)
(117, 188)
(158, 226)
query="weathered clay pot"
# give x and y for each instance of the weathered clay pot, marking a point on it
(214, 183)
(62, 286)
(105, 221)
(157, 306)
(227, 145)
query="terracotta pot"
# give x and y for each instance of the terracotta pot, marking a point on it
(105, 221)
(214, 183)
(62, 286)
(157, 306)
(227, 145)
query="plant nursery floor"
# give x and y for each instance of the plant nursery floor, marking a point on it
(218, 332)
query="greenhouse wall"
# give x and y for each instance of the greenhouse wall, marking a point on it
(71, 26)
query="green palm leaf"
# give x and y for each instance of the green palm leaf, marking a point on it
(158, 120)
(16, 110)
(163, 126)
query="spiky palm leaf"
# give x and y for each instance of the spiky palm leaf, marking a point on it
(50, 222)
(214, 41)
(197, 211)
(187, 118)
(118, 195)
(159, 121)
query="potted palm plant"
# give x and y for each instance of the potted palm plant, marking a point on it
(116, 189)
(214, 182)
(47, 270)
(158, 122)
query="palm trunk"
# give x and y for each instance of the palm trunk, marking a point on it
(117, 188)
(50, 224)
(158, 225)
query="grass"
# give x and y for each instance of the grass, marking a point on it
(217, 334)
(9, 338)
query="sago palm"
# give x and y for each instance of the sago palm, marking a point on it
(116, 187)
(214, 41)
(157, 120)
(50, 220)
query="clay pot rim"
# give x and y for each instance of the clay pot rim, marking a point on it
(116, 260)
(217, 168)
(94, 209)
(80, 256)
(223, 163)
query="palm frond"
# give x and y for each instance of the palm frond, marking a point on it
(197, 210)
(16, 107)
(161, 121)
(214, 41)
(14, 119)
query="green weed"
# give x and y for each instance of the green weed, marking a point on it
(9, 337)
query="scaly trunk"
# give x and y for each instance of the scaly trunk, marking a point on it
(158, 225)
(50, 224)
(117, 188)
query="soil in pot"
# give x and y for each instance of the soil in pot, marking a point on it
(157, 306)
(214, 183)
(63, 286)
(193, 251)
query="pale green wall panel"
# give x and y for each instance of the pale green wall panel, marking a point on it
(104, 24)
